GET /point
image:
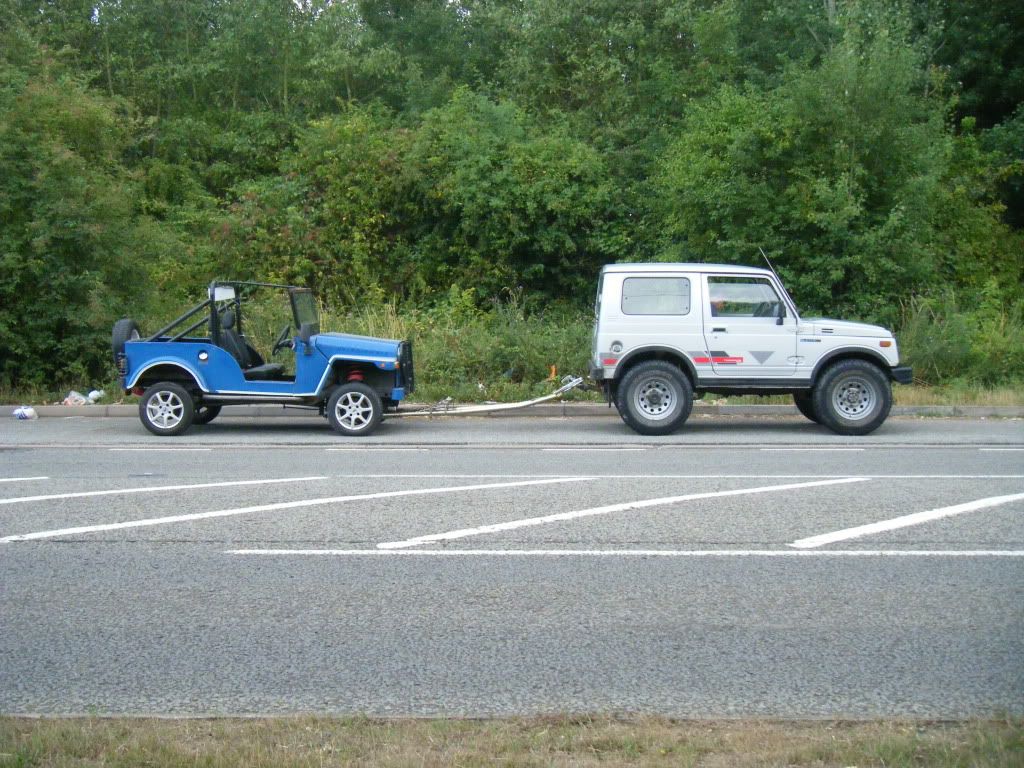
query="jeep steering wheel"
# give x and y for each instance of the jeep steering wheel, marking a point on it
(283, 341)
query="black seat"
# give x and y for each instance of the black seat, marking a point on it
(253, 368)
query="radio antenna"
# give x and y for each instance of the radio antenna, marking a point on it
(769, 261)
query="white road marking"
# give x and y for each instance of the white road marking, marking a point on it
(157, 489)
(377, 450)
(628, 552)
(563, 516)
(906, 520)
(22, 479)
(815, 450)
(591, 450)
(157, 450)
(271, 507)
(1001, 449)
(445, 475)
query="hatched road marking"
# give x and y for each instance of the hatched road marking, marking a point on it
(563, 516)
(906, 520)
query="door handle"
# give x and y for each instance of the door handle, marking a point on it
(719, 330)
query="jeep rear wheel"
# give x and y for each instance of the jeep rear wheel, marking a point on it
(852, 397)
(354, 409)
(654, 398)
(204, 414)
(166, 409)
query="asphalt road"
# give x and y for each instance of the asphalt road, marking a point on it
(742, 567)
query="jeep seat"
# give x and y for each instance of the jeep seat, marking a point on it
(253, 368)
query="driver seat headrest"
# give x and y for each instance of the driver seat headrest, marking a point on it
(227, 320)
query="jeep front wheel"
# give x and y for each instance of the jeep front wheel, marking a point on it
(166, 409)
(354, 409)
(852, 397)
(654, 398)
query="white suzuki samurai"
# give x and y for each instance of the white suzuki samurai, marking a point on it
(665, 333)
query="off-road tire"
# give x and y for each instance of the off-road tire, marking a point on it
(654, 398)
(804, 402)
(204, 414)
(125, 329)
(166, 409)
(852, 397)
(354, 410)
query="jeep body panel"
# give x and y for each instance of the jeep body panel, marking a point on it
(355, 372)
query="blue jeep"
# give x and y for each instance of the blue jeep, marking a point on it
(187, 371)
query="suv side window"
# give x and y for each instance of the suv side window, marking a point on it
(742, 297)
(656, 296)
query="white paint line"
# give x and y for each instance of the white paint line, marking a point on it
(377, 450)
(158, 451)
(592, 450)
(22, 479)
(563, 516)
(445, 475)
(1001, 449)
(906, 520)
(815, 450)
(272, 507)
(627, 553)
(157, 489)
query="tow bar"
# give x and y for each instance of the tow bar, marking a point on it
(446, 407)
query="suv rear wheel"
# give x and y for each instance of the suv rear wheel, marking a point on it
(166, 409)
(654, 398)
(804, 402)
(852, 397)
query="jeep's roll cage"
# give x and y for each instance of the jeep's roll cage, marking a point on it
(236, 302)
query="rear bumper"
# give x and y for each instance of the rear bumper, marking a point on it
(902, 374)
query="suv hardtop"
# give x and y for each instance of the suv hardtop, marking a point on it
(192, 367)
(666, 333)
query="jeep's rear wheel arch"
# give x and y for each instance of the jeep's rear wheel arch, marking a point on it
(169, 372)
(656, 353)
(849, 354)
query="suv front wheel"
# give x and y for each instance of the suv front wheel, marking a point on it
(654, 398)
(166, 409)
(852, 397)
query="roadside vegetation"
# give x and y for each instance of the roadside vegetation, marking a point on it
(554, 741)
(458, 172)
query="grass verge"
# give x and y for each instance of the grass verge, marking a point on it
(555, 741)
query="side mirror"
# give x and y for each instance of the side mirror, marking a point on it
(782, 314)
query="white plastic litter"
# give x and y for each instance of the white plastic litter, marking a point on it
(25, 413)
(75, 398)
(95, 395)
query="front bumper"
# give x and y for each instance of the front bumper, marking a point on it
(902, 374)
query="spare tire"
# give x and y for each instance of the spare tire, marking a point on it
(125, 329)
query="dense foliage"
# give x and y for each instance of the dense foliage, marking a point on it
(432, 155)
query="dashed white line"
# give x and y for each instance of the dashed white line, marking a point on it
(377, 450)
(592, 450)
(159, 450)
(22, 479)
(906, 520)
(627, 553)
(815, 450)
(271, 507)
(1001, 449)
(157, 489)
(564, 516)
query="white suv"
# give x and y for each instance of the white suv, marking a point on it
(665, 332)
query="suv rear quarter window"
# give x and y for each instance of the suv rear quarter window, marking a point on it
(656, 296)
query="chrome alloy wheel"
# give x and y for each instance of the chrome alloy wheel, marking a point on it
(854, 398)
(354, 411)
(655, 398)
(165, 409)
